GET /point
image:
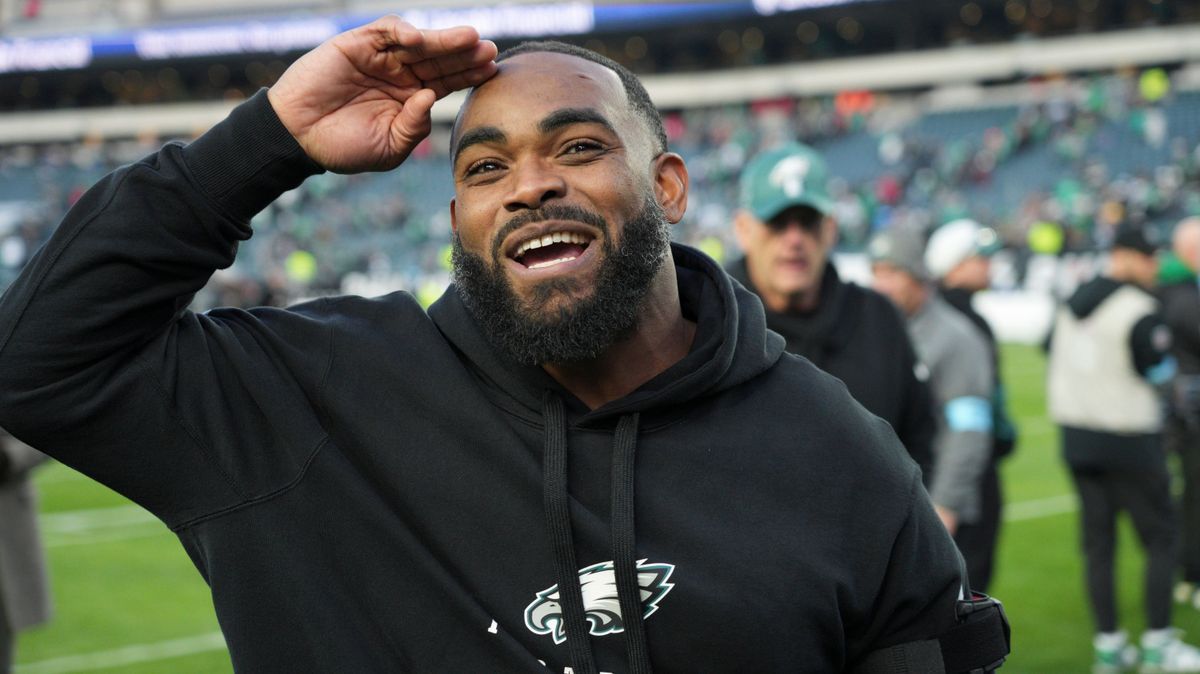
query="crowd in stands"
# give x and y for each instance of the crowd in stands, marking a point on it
(1052, 176)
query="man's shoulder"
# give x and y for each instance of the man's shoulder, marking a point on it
(957, 325)
(873, 306)
(394, 318)
(395, 305)
(819, 405)
(951, 338)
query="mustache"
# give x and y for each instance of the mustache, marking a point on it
(548, 212)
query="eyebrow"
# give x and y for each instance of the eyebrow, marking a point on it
(550, 123)
(568, 116)
(480, 134)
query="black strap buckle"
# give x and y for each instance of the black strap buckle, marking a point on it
(982, 639)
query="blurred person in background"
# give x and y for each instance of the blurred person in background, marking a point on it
(787, 233)
(957, 258)
(1181, 311)
(24, 589)
(954, 359)
(1108, 351)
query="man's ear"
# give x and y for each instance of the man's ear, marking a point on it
(671, 185)
(743, 226)
(829, 232)
(453, 217)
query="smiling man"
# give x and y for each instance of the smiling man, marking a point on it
(370, 488)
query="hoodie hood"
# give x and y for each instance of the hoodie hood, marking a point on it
(1091, 295)
(731, 345)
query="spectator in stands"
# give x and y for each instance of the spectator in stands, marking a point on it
(24, 591)
(957, 257)
(1108, 350)
(954, 358)
(370, 487)
(787, 232)
(1181, 310)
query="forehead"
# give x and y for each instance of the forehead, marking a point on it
(529, 86)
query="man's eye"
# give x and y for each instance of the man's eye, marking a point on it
(483, 166)
(581, 146)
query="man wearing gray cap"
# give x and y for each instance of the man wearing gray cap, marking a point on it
(785, 228)
(954, 358)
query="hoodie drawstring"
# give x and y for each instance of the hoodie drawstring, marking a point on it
(558, 515)
(629, 591)
(555, 497)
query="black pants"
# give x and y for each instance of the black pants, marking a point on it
(977, 540)
(1184, 440)
(1145, 495)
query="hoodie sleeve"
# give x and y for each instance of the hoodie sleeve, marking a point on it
(922, 583)
(102, 366)
(964, 382)
(1150, 344)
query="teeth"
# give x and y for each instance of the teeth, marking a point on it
(555, 237)
(551, 263)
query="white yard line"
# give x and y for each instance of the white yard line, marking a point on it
(126, 655)
(1021, 511)
(107, 537)
(91, 519)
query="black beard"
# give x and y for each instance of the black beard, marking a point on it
(531, 334)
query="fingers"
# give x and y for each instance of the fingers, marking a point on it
(478, 55)
(441, 60)
(413, 45)
(464, 80)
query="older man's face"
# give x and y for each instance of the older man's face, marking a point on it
(558, 233)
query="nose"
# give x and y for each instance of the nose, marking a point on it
(534, 183)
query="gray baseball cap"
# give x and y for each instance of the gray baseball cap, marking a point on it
(902, 247)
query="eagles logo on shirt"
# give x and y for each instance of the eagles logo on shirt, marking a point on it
(600, 603)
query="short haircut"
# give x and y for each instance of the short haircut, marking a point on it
(634, 91)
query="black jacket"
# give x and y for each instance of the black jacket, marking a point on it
(1181, 311)
(859, 336)
(362, 483)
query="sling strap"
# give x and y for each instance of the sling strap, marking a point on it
(979, 643)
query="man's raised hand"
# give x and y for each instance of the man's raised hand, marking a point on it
(361, 101)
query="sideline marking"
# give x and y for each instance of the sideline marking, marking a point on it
(90, 519)
(126, 655)
(1042, 507)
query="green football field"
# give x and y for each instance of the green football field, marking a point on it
(128, 599)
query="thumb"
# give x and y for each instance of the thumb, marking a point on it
(413, 123)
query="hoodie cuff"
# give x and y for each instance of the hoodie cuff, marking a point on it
(248, 159)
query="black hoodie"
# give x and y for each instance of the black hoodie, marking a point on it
(860, 337)
(368, 488)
